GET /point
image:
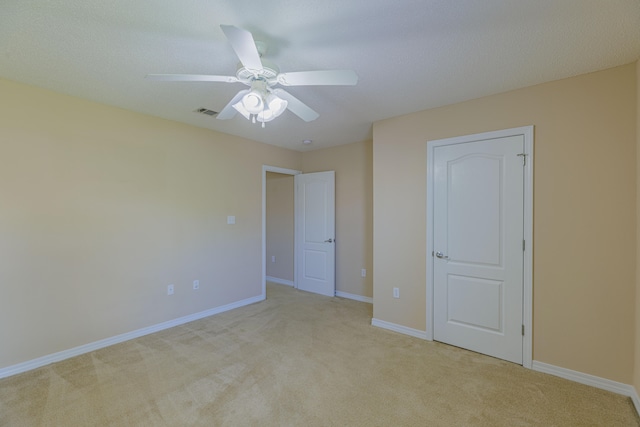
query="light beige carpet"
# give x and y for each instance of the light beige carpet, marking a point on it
(297, 359)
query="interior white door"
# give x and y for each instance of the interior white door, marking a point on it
(315, 232)
(478, 246)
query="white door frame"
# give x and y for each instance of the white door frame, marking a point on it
(527, 309)
(265, 169)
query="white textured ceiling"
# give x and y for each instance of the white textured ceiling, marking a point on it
(410, 55)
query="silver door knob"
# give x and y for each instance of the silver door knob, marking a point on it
(441, 255)
(329, 241)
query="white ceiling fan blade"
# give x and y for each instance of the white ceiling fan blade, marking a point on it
(245, 47)
(319, 78)
(191, 78)
(228, 112)
(296, 106)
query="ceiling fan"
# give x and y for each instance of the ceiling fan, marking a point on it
(263, 102)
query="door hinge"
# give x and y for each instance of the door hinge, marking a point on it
(522, 330)
(523, 245)
(524, 158)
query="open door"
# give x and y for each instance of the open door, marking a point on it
(315, 232)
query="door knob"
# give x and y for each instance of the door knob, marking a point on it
(441, 255)
(329, 241)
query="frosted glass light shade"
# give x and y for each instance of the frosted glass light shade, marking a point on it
(276, 106)
(240, 109)
(253, 102)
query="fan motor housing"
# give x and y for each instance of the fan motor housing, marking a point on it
(269, 73)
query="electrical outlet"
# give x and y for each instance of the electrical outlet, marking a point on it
(273, 258)
(396, 292)
(196, 284)
(170, 290)
(363, 272)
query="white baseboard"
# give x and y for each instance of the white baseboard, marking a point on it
(76, 351)
(399, 328)
(354, 297)
(280, 281)
(636, 400)
(338, 293)
(591, 380)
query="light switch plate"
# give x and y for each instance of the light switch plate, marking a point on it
(231, 219)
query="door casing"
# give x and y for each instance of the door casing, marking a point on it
(284, 171)
(527, 309)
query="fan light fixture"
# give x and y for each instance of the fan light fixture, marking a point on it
(260, 103)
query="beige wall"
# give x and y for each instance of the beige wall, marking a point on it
(637, 335)
(354, 206)
(584, 213)
(103, 208)
(280, 226)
